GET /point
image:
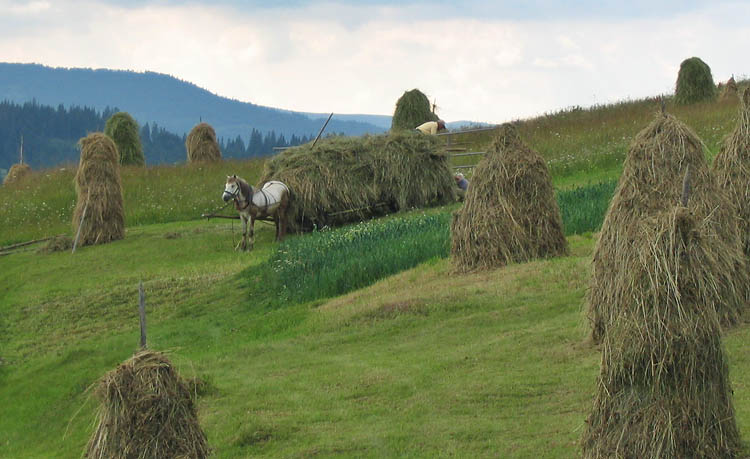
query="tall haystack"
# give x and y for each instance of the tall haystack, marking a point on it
(652, 177)
(146, 411)
(16, 173)
(201, 144)
(123, 130)
(694, 82)
(664, 389)
(731, 168)
(729, 90)
(510, 213)
(348, 179)
(412, 109)
(99, 192)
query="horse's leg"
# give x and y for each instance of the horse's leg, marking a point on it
(242, 244)
(281, 215)
(252, 233)
(278, 225)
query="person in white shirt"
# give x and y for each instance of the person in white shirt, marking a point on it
(431, 127)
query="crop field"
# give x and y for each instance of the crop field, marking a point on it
(353, 341)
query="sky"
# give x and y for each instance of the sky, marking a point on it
(488, 61)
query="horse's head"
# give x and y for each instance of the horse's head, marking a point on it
(231, 188)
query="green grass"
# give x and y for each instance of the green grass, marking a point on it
(422, 363)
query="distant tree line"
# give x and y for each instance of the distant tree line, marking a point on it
(50, 136)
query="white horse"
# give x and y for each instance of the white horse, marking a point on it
(271, 200)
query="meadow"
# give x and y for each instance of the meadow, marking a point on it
(358, 341)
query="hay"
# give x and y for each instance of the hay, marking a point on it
(56, 244)
(510, 213)
(650, 183)
(412, 109)
(98, 184)
(731, 167)
(123, 130)
(146, 411)
(729, 90)
(663, 389)
(348, 179)
(201, 144)
(16, 173)
(694, 82)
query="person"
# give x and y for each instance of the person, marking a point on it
(431, 127)
(462, 185)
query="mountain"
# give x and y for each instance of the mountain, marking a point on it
(171, 103)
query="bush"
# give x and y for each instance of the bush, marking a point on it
(694, 82)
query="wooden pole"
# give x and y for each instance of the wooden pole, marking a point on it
(22, 149)
(78, 233)
(321, 130)
(685, 188)
(142, 312)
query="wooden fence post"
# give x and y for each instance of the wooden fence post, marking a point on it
(142, 311)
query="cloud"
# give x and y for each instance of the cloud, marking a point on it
(325, 57)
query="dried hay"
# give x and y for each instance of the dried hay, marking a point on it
(664, 389)
(348, 179)
(510, 213)
(99, 191)
(123, 130)
(651, 181)
(729, 90)
(412, 109)
(731, 168)
(201, 144)
(16, 173)
(146, 411)
(56, 244)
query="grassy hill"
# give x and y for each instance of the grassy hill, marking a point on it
(420, 363)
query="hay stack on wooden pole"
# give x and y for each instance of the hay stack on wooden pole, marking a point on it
(123, 130)
(16, 173)
(348, 179)
(412, 109)
(201, 144)
(99, 191)
(729, 90)
(650, 183)
(510, 213)
(694, 82)
(146, 411)
(663, 389)
(731, 168)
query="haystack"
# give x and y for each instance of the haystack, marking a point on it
(412, 109)
(348, 179)
(731, 168)
(16, 173)
(694, 82)
(99, 192)
(663, 389)
(652, 177)
(123, 130)
(510, 213)
(201, 144)
(146, 411)
(729, 90)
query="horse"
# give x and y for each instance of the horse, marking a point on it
(272, 200)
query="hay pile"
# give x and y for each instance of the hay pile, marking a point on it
(99, 191)
(664, 388)
(16, 173)
(729, 90)
(348, 179)
(694, 82)
(123, 130)
(56, 244)
(651, 182)
(731, 167)
(146, 411)
(201, 144)
(510, 213)
(412, 109)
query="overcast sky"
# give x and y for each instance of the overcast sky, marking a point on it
(487, 61)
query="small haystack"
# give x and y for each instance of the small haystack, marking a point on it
(664, 388)
(146, 411)
(694, 82)
(731, 168)
(201, 144)
(412, 109)
(651, 181)
(56, 244)
(348, 179)
(16, 173)
(510, 213)
(123, 130)
(729, 90)
(99, 192)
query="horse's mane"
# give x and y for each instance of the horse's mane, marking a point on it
(246, 189)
